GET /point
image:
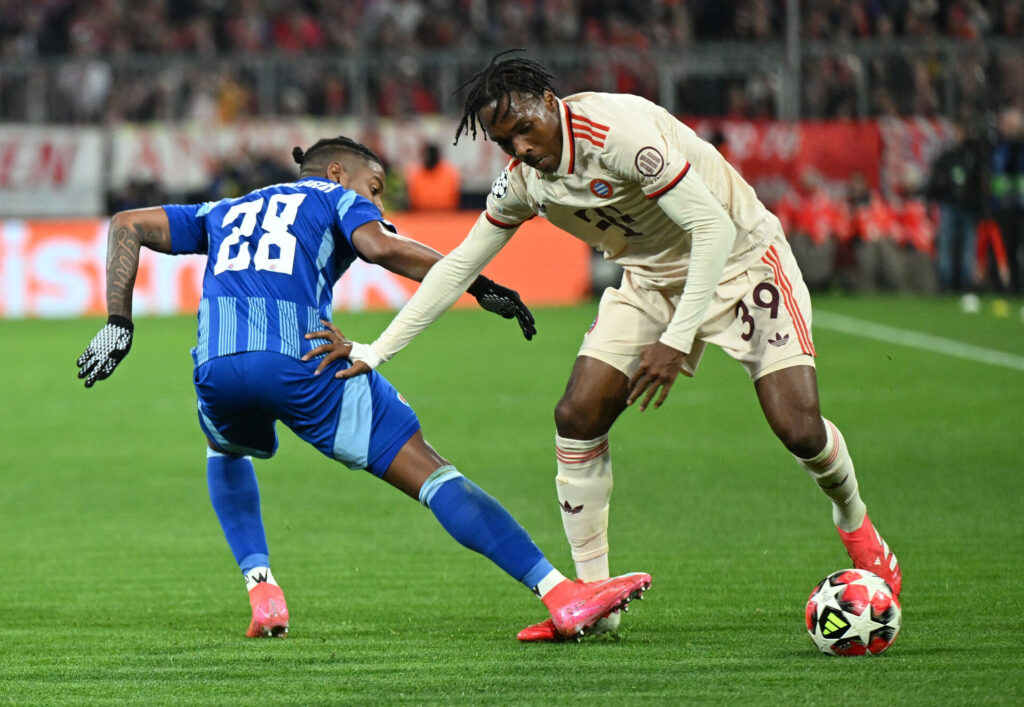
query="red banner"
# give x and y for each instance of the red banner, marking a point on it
(773, 156)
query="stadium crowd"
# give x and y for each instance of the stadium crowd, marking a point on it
(212, 27)
(97, 40)
(114, 60)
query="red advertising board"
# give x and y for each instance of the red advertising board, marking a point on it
(57, 269)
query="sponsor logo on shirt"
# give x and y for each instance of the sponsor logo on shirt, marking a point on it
(600, 188)
(649, 162)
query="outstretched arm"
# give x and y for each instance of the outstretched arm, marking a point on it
(402, 256)
(441, 287)
(413, 260)
(128, 232)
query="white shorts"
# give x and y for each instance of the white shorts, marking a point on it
(761, 317)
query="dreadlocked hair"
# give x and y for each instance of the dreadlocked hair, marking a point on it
(497, 81)
(334, 143)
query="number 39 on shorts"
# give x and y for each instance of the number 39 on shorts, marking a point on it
(765, 296)
(280, 215)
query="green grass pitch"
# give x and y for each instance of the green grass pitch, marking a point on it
(118, 586)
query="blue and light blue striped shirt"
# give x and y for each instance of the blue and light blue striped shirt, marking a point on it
(273, 258)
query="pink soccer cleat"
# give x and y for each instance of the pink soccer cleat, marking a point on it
(269, 612)
(545, 631)
(870, 552)
(576, 606)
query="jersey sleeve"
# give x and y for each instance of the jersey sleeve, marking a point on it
(508, 205)
(188, 228)
(647, 152)
(354, 211)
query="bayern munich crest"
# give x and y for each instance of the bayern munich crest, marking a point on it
(600, 188)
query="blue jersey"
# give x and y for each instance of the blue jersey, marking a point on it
(273, 258)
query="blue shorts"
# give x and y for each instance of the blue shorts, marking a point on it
(361, 422)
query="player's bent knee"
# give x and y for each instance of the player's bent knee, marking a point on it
(804, 437)
(580, 421)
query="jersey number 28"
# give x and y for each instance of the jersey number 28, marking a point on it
(280, 215)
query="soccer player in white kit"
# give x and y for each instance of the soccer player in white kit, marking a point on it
(704, 262)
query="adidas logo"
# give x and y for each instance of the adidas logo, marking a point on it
(571, 509)
(779, 339)
(833, 624)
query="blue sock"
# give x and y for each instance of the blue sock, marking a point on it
(235, 496)
(482, 524)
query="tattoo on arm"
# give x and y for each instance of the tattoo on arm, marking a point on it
(124, 241)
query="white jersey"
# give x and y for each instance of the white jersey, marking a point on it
(633, 182)
(620, 153)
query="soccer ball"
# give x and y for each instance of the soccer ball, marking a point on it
(852, 612)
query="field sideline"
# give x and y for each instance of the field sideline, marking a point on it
(118, 586)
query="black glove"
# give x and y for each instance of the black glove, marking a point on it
(501, 300)
(106, 350)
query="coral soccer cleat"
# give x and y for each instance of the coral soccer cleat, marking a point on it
(576, 606)
(545, 631)
(870, 552)
(269, 612)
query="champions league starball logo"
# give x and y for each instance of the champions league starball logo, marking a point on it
(500, 187)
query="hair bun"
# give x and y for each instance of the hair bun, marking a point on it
(298, 155)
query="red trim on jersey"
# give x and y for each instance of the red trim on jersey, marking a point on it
(572, 139)
(671, 184)
(585, 132)
(581, 457)
(592, 123)
(513, 163)
(589, 128)
(771, 258)
(500, 224)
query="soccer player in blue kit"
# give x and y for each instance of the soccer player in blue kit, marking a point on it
(273, 257)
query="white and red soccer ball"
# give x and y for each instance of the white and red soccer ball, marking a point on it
(852, 612)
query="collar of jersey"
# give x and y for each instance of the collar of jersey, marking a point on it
(313, 176)
(567, 164)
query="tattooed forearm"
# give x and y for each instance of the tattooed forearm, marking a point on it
(124, 240)
(123, 244)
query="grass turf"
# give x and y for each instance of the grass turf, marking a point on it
(118, 586)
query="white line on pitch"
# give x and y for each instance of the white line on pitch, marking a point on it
(916, 340)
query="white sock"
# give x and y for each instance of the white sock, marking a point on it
(584, 485)
(257, 575)
(551, 580)
(832, 470)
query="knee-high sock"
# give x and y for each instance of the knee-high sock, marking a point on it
(477, 521)
(235, 496)
(584, 484)
(832, 470)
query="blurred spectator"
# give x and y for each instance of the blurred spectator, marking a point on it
(1006, 189)
(814, 223)
(990, 239)
(85, 80)
(137, 194)
(956, 185)
(432, 185)
(236, 177)
(875, 236)
(916, 234)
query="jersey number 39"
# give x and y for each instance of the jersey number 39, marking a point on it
(279, 216)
